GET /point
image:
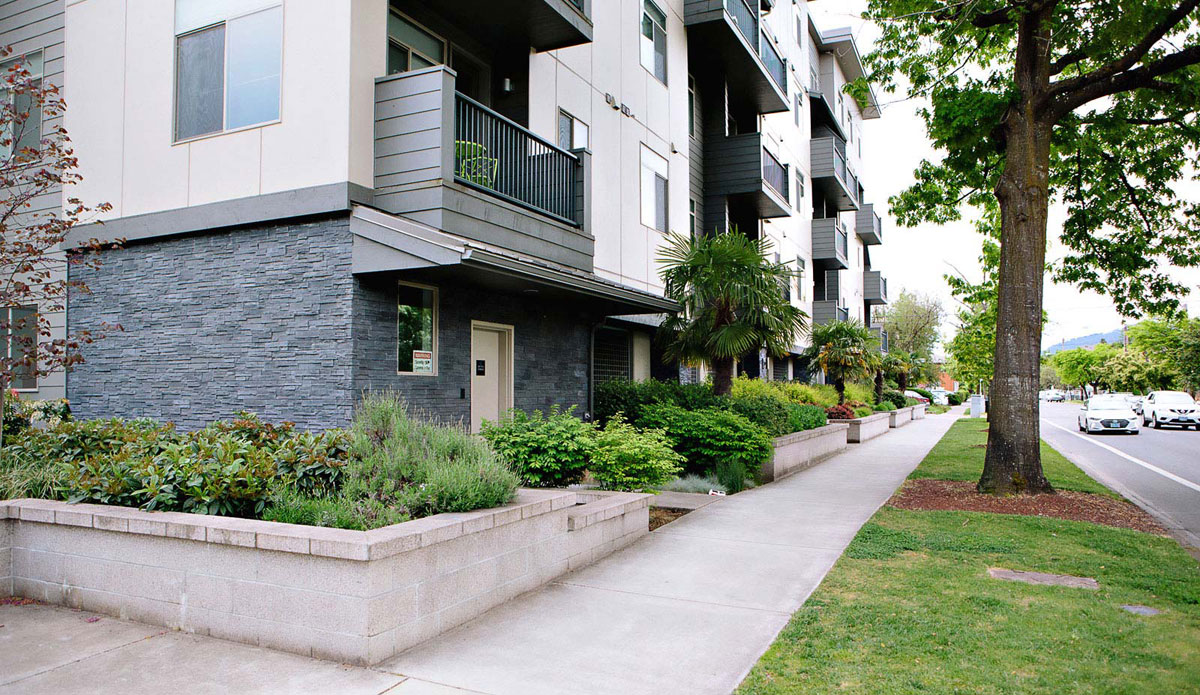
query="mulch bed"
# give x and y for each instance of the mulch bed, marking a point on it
(661, 516)
(953, 495)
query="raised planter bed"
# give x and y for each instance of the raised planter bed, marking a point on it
(919, 411)
(900, 417)
(869, 427)
(800, 450)
(349, 596)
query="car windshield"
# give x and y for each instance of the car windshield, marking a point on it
(1175, 399)
(1107, 403)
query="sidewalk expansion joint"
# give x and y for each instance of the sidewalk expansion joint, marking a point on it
(676, 598)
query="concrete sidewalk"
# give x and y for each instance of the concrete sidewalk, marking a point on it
(689, 609)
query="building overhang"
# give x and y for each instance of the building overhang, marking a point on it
(840, 43)
(385, 243)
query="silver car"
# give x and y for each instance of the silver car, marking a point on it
(1107, 413)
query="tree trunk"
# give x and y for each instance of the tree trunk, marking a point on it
(722, 376)
(878, 386)
(1013, 463)
(902, 381)
(840, 385)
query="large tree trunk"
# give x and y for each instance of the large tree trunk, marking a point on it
(878, 387)
(839, 385)
(1013, 463)
(722, 376)
(902, 382)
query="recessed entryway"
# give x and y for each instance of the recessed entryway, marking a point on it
(491, 371)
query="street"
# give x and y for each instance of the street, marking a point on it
(1158, 469)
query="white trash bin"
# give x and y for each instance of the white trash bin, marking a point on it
(977, 405)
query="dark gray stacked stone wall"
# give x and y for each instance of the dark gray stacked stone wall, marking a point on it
(256, 319)
(551, 355)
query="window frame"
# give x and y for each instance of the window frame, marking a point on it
(692, 103)
(665, 178)
(642, 37)
(433, 333)
(390, 42)
(39, 78)
(8, 344)
(575, 122)
(225, 77)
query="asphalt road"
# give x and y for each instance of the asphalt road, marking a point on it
(1157, 469)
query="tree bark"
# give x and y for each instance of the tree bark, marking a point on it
(902, 382)
(722, 376)
(1013, 463)
(878, 386)
(839, 385)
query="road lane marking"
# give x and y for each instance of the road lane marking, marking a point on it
(1148, 466)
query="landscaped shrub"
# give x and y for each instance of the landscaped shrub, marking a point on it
(313, 462)
(863, 411)
(924, 392)
(248, 427)
(769, 412)
(806, 417)
(624, 458)
(545, 450)
(884, 407)
(839, 412)
(695, 484)
(860, 393)
(954, 398)
(813, 394)
(631, 397)
(713, 441)
(895, 398)
(745, 387)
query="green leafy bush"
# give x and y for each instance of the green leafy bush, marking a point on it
(713, 440)
(768, 412)
(631, 397)
(895, 398)
(863, 411)
(860, 393)
(884, 407)
(805, 417)
(924, 392)
(313, 462)
(545, 450)
(627, 459)
(954, 398)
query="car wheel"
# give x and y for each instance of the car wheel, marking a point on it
(1156, 424)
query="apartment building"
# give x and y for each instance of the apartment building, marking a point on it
(460, 201)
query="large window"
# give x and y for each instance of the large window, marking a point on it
(228, 61)
(692, 107)
(411, 46)
(654, 190)
(654, 40)
(612, 358)
(20, 341)
(416, 329)
(26, 132)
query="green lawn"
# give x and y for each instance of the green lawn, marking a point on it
(959, 456)
(910, 609)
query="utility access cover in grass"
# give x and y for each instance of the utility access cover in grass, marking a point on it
(1043, 578)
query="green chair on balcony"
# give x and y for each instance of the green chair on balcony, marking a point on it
(472, 164)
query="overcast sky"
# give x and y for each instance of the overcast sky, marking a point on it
(916, 259)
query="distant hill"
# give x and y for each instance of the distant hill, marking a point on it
(1085, 341)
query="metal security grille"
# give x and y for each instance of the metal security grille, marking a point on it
(611, 357)
(779, 370)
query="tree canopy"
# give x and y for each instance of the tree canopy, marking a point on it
(912, 322)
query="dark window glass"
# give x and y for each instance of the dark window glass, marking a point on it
(415, 323)
(612, 359)
(22, 342)
(660, 210)
(564, 130)
(200, 83)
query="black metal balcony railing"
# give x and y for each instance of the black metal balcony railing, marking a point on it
(746, 19)
(843, 242)
(775, 174)
(775, 65)
(883, 287)
(496, 154)
(843, 314)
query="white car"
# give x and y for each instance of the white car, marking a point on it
(1170, 408)
(940, 396)
(1107, 414)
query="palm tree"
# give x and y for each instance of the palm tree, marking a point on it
(731, 300)
(898, 364)
(844, 350)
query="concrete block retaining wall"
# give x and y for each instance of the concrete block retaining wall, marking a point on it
(349, 596)
(900, 417)
(919, 411)
(864, 428)
(799, 450)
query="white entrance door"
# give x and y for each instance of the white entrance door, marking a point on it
(491, 372)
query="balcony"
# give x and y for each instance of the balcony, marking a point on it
(828, 311)
(726, 36)
(881, 336)
(830, 244)
(832, 175)
(543, 25)
(874, 288)
(452, 163)
(740, 167)
(868, 225)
